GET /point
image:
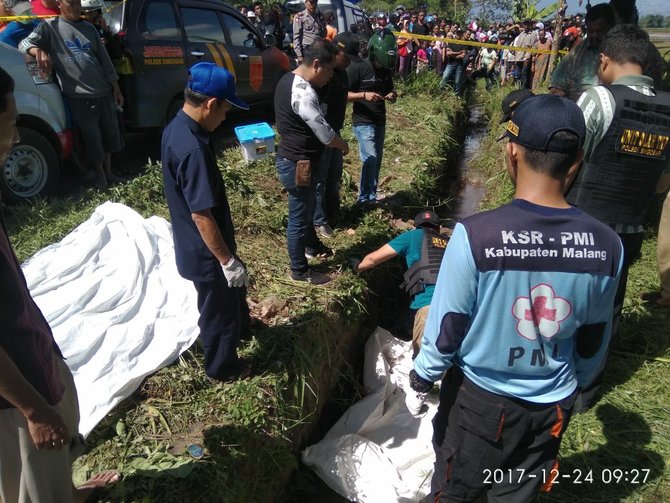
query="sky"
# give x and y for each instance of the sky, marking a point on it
(643, 6)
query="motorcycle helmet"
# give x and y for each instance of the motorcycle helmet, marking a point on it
(92, 5)
(382, 49)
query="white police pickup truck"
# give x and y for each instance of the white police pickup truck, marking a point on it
(32, 168)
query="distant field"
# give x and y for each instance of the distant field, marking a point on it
(661, 38)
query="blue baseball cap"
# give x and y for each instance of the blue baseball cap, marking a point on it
(538, 118)
(211, 80)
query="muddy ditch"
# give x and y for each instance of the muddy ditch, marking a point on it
(463, 191)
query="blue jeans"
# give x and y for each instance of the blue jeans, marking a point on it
(453, 72)
(327, 204)
(370, 148)
(299, 231)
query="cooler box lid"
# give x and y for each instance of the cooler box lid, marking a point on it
(260, 131)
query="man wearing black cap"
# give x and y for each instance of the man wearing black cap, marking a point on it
(202, 228)
(422, 248)
(333, 99)
(513, 100)
(521, 317)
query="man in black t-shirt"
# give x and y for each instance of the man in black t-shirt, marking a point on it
(453, 71)
(333, 98)
(370, 86)
(304, 133)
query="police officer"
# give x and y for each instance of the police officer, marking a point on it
(308, 25)
(202, 228)
(422, 248)
(627, 150)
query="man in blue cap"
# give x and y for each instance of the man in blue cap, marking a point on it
(521, 318)
(202, 228)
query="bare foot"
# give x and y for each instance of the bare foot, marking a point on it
(101, 480)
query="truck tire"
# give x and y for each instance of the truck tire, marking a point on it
(32, 168)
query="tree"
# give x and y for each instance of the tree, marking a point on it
(490, 11)
(527, 9)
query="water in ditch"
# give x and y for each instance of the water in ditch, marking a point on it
(305, 486)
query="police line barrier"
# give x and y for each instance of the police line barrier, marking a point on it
(48, 16)
(473, 43)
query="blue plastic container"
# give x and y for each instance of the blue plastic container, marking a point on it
(257, 140)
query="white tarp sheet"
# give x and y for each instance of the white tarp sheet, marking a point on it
(118, 308)
(377, 451)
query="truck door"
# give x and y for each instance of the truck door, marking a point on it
(156, 45)
(205, 38)
(250, 59)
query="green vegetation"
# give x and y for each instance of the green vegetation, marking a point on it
(309, 338)
(655, 21)
(629, 428)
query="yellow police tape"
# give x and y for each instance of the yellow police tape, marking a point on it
(477, 44)
(47, 16)
(396, 33)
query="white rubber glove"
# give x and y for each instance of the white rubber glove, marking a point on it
(415, 402)
(235, 273)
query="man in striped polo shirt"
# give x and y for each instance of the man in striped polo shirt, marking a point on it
(626, 151)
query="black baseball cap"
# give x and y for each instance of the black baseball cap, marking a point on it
(511, 101)
(350, 44)
(540, 117)
(426, 217)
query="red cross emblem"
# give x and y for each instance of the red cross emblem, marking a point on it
(541, 313)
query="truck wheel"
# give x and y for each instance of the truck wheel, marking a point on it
(32, 168)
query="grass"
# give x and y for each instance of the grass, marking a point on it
(251, 431)
(630, 427)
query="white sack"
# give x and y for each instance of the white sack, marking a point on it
(116, 304)
(377, 451)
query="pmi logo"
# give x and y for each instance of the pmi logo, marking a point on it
(541, 313)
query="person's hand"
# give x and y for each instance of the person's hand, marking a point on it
(47, 429)
(235, 273)
(374, 97)
(416, 402)
(392, 96)
(345, 149)
(416, 393)
(355, 262)
(43, 62)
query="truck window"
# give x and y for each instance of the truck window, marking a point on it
(240, 34)
(158, 21)
(202, 25)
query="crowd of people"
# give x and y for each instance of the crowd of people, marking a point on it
(515, 314)
(449, 50)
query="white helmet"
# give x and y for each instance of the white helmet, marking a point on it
(92, 4)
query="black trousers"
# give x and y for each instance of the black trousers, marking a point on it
(489, 445)
(632, 246)
(224, 317)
